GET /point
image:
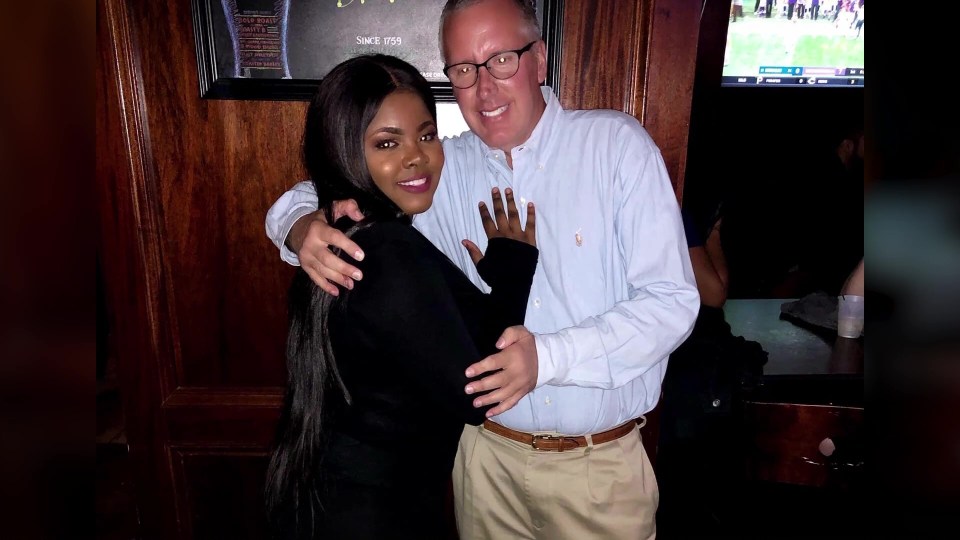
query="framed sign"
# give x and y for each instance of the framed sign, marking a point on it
(281, 49)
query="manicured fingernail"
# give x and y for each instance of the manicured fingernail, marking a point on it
(481, 204)
(508, 191)
(350, 284)
(489, 414)
(469, 389)
(495, 190)
(500, 344)
(357, 275)
(334, 292)
(469, 373)
(358, 256)
(477, 403)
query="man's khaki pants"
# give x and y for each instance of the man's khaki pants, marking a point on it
(504, 490)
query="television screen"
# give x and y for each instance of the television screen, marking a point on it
(794, 43)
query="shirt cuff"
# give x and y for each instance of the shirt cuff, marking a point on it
(546, 370)
(298, 212)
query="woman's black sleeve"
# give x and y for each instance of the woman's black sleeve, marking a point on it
(507, 267)
(406, 303)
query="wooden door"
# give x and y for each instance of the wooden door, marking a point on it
(197, 293)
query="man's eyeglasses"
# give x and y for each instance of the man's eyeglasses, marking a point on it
(502, 65)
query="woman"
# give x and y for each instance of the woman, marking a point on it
(375, 402)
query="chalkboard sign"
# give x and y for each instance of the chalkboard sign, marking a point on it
(281, 49)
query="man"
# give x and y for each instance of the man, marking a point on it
(829, 243)
(736, 9)
(613, 295)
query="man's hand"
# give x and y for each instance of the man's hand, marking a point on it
(311, 238)
(517, 375)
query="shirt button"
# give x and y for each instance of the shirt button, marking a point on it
(536, 302)
(540, 167)
(523, 201)
(547, 400)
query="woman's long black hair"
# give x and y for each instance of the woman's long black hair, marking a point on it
(347, 100)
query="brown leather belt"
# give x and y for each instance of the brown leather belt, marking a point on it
(559, 443)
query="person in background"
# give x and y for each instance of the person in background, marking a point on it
(855, 283)
(828, 230)
(707, 377)
(858, 19)
(374, 405)
(736, 9)
(614, 294)
(709, 262)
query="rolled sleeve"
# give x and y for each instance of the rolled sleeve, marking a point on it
(291, 206)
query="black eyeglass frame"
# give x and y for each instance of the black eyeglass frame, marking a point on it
(519, 53)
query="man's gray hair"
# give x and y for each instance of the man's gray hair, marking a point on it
(528, 10)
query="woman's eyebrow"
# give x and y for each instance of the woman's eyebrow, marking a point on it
(389, 129)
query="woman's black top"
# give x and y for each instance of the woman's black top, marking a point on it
(402, 339)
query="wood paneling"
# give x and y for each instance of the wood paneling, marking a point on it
(668, 82)
(219, 165)
(129, 259)
(603, 51)
(198, 292)
(221, 492)
(223, 417)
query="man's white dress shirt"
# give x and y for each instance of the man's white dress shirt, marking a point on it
(614, 292)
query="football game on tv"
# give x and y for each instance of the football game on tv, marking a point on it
(794, 43)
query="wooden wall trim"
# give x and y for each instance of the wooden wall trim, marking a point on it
(598, 48)
(670, 68)
(223, 417)
(133, 260)
(635, 82)
(220, 396)
(145, 197)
